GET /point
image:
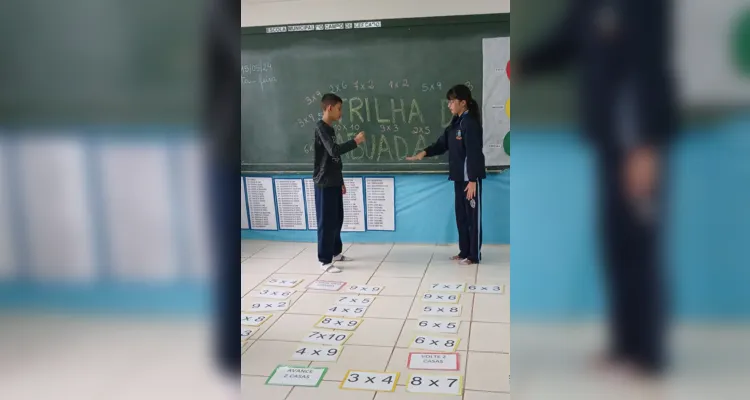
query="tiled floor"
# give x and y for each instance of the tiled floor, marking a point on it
(382, 341)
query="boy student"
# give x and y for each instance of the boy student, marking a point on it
(329, 183)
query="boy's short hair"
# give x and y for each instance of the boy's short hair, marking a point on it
(330, 99)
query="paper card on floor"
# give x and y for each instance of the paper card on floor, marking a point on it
(435, 343)
(448, 287)
(317, 352)
(245, 333)
(288, 375)
(373, 381)
(346, 324)
(487, 289)
(254, 319)
(364, 289)
(441, 298)
(442, 311)
(346, 311)
(331, 338)
(269, 306)
(359, 301)
(434, 361)
(435, 384)
(332, 286)
(281, 294)
(438, 326)
(290, 283)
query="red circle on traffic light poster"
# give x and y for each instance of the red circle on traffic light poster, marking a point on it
(507, 69)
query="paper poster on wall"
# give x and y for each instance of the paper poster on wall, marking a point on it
(354, 206)
(290, 203)
(244, 223)
(261, 204)
(196, 214)
(496, 100)
(138, 206)
(381, 207)
(7, 258)
(312, 217)
(57, 209)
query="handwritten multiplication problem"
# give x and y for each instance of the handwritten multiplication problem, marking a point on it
(421, 130)
(313, 98)
(389, 128)
(363, 85)
(309, 119)
(338, 87)
(431, 87)
(397, 84)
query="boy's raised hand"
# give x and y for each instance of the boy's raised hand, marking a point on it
(360, 138)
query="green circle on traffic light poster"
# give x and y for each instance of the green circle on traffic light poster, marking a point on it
(506, 143)
(741, 43)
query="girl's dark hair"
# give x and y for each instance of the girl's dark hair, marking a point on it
(462, 92)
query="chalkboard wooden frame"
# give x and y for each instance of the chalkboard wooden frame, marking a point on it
(301, 29)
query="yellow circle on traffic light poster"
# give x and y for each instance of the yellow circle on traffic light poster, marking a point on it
(507, 107)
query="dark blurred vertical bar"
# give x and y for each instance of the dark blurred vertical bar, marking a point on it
(223, 130)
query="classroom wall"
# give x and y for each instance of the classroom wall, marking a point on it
(278, 12)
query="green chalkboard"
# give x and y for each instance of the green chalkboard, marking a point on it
(392, 75)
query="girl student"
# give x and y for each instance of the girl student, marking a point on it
(463, 141)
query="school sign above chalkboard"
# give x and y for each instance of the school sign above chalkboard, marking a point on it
(392, 75)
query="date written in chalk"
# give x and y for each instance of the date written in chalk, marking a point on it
(347, 324)
(270, 306)
(254, 319)
(373, 381)
(435, 384)
(360, 301)
(441, 298)
(331, 338)
(443, 311)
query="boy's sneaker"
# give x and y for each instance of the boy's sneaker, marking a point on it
(342, 258)
(329, 268)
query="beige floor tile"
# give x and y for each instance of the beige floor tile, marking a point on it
(364, 358)
(448, 274)
(249, 281)
(396, 286)
(399, 362)
(351, 276)
(389, 307)
(327, 391)
(402, 394)
(314, 303)
(466, 302)
(491, 273)
(263, 356)
(289, 327)
(285, 251)
(492, 307)
(472, 395)
(419, 254)
(409, 332)
(400, 270)
(301, 265)
(490, 337)
(255, 388)
(264, 266)
(377, 332)
(488, 372)
(369, 252)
